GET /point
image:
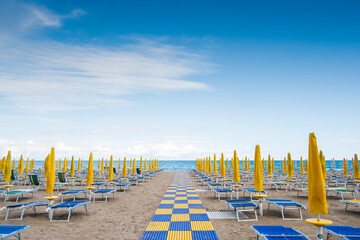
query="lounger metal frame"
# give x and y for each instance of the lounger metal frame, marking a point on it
(74, 194)
(68, 209)
(23, 208)
(104, 195)
(284, 207)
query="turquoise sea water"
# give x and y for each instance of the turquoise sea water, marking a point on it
(188, 165)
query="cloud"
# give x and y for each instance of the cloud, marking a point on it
(52, 76)
(17, 17)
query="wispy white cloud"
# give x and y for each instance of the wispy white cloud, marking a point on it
(52, 76)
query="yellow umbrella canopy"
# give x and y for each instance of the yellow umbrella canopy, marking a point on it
(106, 164)
(290, 172)
(124, 168)
(316, 185)
(227, 163)
(50, 179)
(236, 170)
(272, 164)
(64, 165)
(13, 165)
(130, 163)
(356, 167)
(119, 164)
(27, 168)
(2, 164)
(79, 165)
(134, 167)
(306, 165)
(82, 161)
(145, 165)
(21, 165)
(102, 165)
(258, 173)
(215, 165)
(99, 164)
(210, 168)
(111, 169)
(7, 168)
(301, 165)
(222, 166)
(269, 166)
(200, 165)
(140, 163)
(345, 173)
(59, 163)
(90, 171)
(246, 166)
(72, 168)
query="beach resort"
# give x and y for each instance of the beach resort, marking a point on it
(179, 120)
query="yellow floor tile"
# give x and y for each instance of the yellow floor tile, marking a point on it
(192, 210)
(163, 211)
(180, 217)
(167, 201)
(158, 226)
(180, 198)
(181, 205)
(194, 201)
(176, 235)
(201, 226)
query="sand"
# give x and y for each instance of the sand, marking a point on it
(128, 215)
(232, 229)
(124, 217)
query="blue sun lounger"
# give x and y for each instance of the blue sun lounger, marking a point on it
(7, 231)
(251, 192)
(222, 191)
(23, 207)
(66, 207)
(104, 194)
(278, 233)
(99, 185)
(18, 193)
(342, 232)
(241, 206)
(123, 186)
(285, 204)
(74, 193)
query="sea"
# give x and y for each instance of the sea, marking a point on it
(188, 165)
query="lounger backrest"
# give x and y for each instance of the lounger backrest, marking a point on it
(61, 177)
(12, 175)
(34, 180)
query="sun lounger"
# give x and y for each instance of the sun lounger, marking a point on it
(104, 194)
(301, 190)
(214, 185)
(251, 192)
(74, 194)
(7, 231)
(340, 191)
(133, 181)
(66, 207)
(241, 206)
(353, 202)
(23, 207)
(18, 193)
(284, 204)
(99, 185)
(35, 182)
(278, 233)
(123, 186)
(222, 191)
(342, 232)
(278, 185)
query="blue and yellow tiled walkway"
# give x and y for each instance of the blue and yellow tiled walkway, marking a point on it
(180, 214)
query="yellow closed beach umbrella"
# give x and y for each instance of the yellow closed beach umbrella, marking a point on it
(27, 168)
(301, 165)
(236, 170)
(106, 164)
(227, 163)
(7, 168)
(21, 165)
(232, 163)
(134, 167)
(210, 168)
(72, 167)
(258, 173)
(50, 176)
(200, 165)
(59, 164)
(90, 171)
(222, 166)
(316, 188)
(79, 165)
(82, 161)
(124, 168)
(13, 165)
(2, 164)
(356, 167)
(215, 165)
(64, 165)
(130, 163)
(306, 165)
(99, 164)
(145, 165)
(140, 168)
(269, 166)
(243, 164)
(345, 173)
(119, 164)
(102, 165)
(272, 164)
(290, 172)
(111, 169)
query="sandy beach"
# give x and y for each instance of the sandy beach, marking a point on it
(128, 215)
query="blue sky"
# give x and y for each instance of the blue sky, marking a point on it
(179, 79)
